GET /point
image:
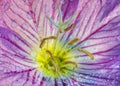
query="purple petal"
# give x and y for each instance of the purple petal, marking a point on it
(39, 11)
(14, 55)
(17, 17)
(68, 8)
(105, 39)
(102, 39)
(20, 34)
(12, 40)
(109, 6)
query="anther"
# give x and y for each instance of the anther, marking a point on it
(69, 28)
(53, 61)
(73, 41)
(87, 53)
(47, 38)
(71, 62)
(47, 51)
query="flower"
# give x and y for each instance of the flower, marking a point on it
(59, 43)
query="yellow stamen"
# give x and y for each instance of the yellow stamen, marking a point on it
(71, 62)
(47, 51)
(53, 61)
(73, 41)
(47, 38)
(69, 28)
(87, 53)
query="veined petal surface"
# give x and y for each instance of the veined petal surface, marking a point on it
(23, 23)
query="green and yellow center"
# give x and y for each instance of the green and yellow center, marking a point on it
(54, 60)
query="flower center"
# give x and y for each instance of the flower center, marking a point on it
(55, 61)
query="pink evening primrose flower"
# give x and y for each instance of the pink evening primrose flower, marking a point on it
(59, 42)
